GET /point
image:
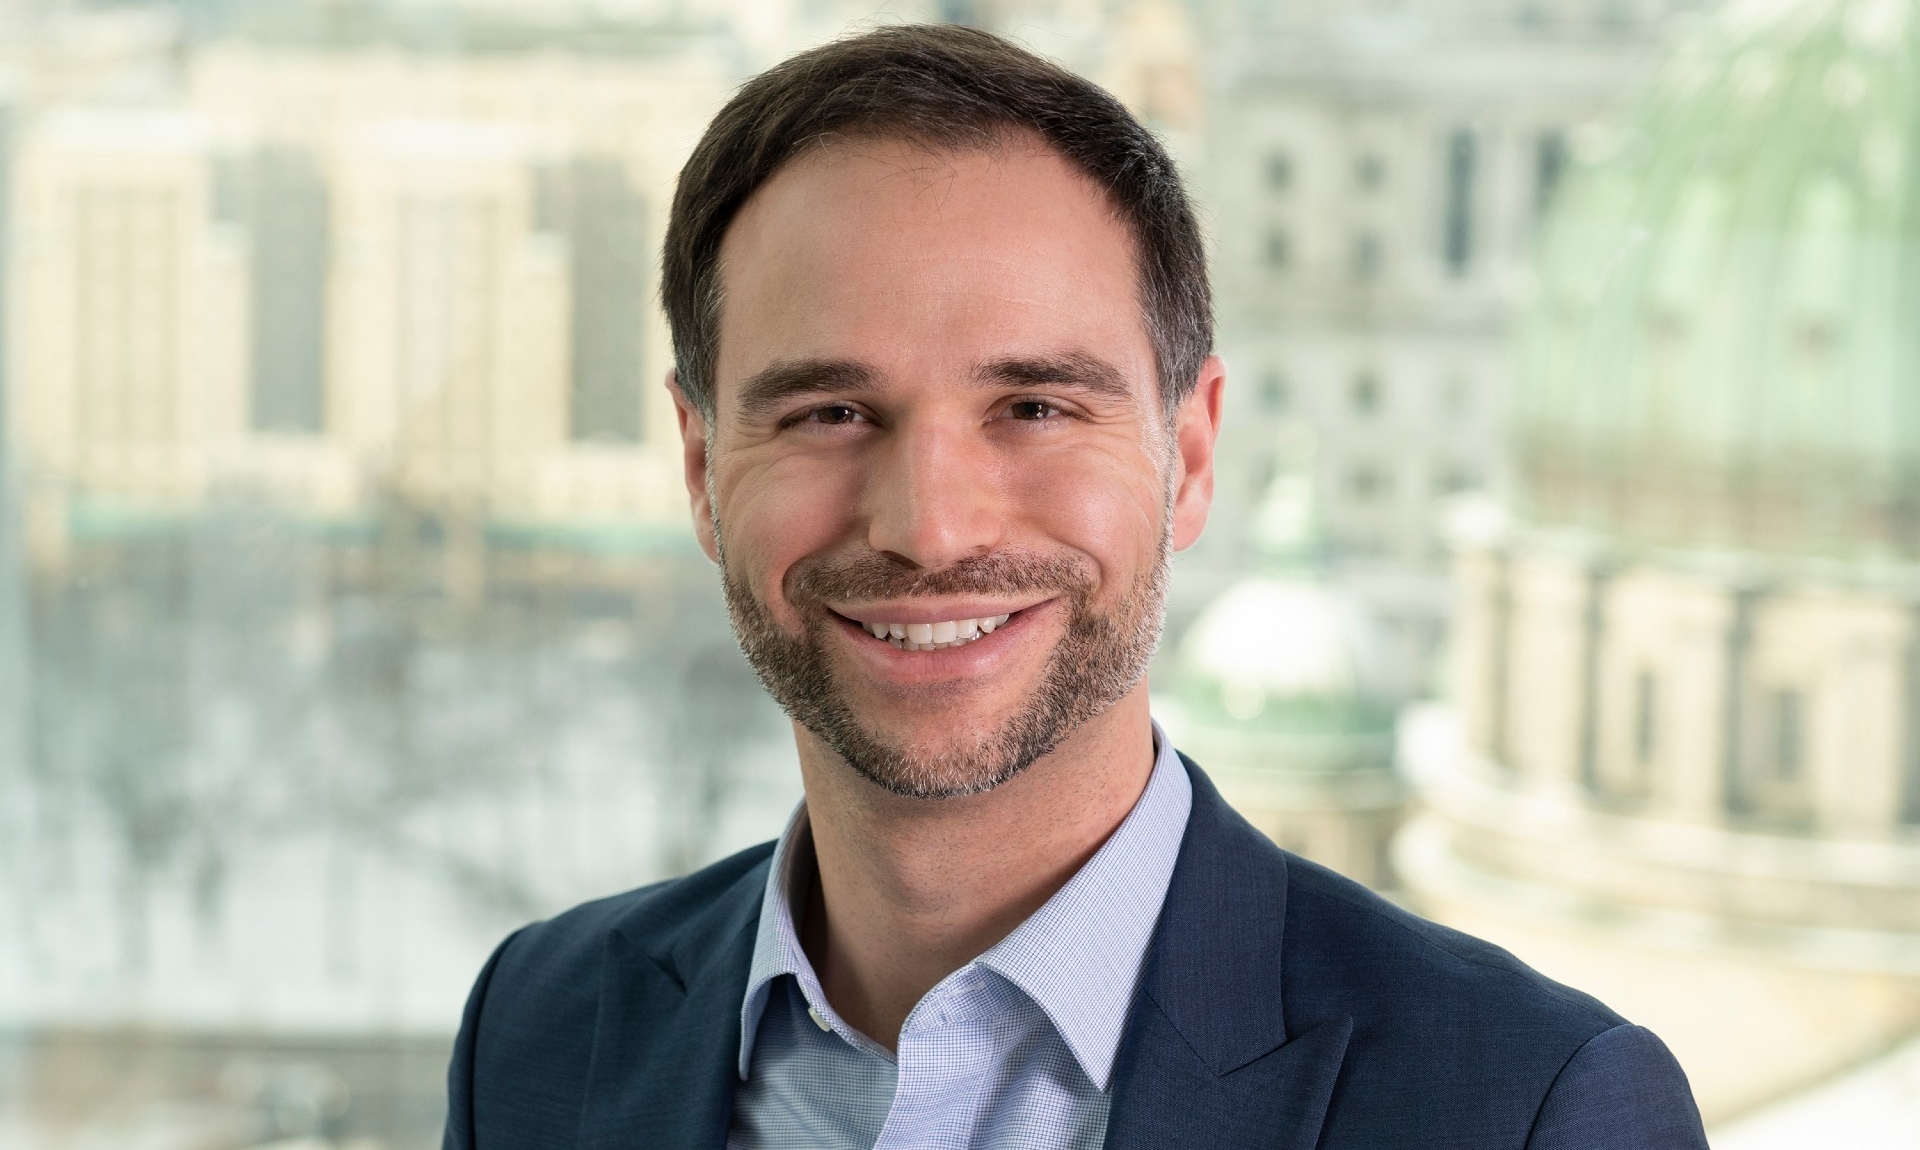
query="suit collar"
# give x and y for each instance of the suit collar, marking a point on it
(1210, 1057)
(662, 1069)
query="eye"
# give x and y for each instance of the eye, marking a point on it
(832, 415)
(1033, 410)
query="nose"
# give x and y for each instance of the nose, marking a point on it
(934, 497)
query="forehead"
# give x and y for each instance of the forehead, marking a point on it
(922, 263)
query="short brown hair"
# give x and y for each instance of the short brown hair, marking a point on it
(949, 87)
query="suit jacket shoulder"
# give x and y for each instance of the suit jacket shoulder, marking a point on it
(580, 1026)
(1349, 945)
(1449, 1030)
(1379, 1027)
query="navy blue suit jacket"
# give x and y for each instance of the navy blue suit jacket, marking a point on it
(1280, 1006)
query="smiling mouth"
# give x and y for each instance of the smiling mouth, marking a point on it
(933, 636)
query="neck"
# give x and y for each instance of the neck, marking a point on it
(910, 890)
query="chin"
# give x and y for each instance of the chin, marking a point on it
(952, 744)
(916, 762)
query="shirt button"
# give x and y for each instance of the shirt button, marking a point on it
(818, 1021)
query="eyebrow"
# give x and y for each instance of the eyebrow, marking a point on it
(1076, 369)
(772, 386)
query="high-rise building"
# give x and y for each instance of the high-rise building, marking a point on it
(1683, 771)
(337, 278)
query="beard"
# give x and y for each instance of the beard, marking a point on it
(1102, 655)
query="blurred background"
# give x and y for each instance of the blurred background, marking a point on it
(1564, 583)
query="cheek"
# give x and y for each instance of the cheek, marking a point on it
(774, 513)
(1106, 504)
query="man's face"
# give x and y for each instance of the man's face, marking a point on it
(936, 408)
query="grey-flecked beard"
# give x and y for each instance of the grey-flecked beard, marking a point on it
(1099, 659)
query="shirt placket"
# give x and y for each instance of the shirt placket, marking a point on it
(945, 1057)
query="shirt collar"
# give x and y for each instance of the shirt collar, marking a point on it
(1078, 957)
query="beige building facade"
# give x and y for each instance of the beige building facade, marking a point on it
(1689, 790)
(329, 280)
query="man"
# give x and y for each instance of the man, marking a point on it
(948, 399)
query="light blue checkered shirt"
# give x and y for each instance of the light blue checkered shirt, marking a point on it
(1013, 1051)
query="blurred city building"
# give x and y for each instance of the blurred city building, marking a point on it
(1376, 197)
(1684, 768)
(1376, 187)
(344, 548)
(1281, 690)
(335, 278)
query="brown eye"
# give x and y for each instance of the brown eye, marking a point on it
(836, 414)
(1031, 409)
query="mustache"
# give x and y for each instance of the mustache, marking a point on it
(876, 576)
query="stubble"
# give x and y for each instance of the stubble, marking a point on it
(1100, 658)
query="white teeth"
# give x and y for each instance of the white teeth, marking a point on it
(935, 636)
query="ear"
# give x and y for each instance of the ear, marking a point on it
(694, 439)
(1196, 428)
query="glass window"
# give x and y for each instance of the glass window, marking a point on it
(1370, 171)
(1365, 394)
(1278, 251)
(1457, 222)
(1613, 18)
(1278, 171)
(1369, 482)
(1773, 785)
(291, 230)
(1646, 718)
(1457, 478)
(550, 198)
(229, 189)
(1785, 757)
(608, 259)
(1549, 164)
(1366, 256)
(1275, 394)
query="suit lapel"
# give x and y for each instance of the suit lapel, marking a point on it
(1208, 1058)
(1169, 1099)
(666, 1044)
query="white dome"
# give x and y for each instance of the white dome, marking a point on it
(1268, 639)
